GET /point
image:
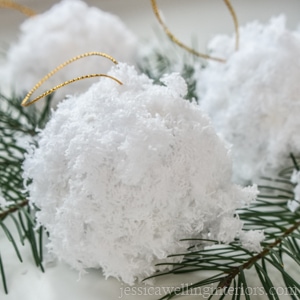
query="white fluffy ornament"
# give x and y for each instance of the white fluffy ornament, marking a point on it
(68, 29)
(123, 172)
(253, 98)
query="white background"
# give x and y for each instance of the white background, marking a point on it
(185, 18)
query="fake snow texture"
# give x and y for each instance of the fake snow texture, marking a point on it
(252, 239)
(294, 204)
(123, 172)
(253, 98)
(68, 29)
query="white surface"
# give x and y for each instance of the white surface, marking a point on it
(185, 19)
(59, 282)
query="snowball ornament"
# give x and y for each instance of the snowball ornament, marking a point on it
(123, 172)
(253, 98)
(68, 29)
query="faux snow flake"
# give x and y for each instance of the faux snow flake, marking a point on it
(251, 239)
(294, 204)
(68, 29)
(123, 172)
(253, 98)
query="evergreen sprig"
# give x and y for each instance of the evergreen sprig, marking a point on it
(156, 63)
(18, 126)
(230, 264)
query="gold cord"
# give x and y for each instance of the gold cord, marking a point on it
(61, 66)
(176, 41)
(236, 23)
(16, 6)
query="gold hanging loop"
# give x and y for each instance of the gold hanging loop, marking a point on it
(191, 50)
(236, 23)
(16, 6)
(26, 101)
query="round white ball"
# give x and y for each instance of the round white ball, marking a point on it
(253, 98)
(68, 29)
(123, 172)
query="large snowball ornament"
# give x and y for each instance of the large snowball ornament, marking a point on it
(68, 29)
(253, 98)
(123, 172)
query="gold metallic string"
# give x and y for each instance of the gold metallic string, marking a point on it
(236, 23)
(26, 101)
(191, 50)
(16, 6)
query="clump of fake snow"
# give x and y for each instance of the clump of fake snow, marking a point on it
(253, 98)
(123, 172)
(68, 29)
(294, 204)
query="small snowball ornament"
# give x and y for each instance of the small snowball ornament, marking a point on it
(123, 172)
(68, 29)
(253, 98)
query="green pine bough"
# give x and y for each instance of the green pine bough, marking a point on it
(18, 126)
(225, 266)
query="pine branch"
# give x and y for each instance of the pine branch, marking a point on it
(253, 260)
(166, 58)
(14, 208)
(230, 263)
(18, 127)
